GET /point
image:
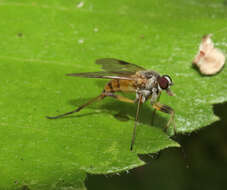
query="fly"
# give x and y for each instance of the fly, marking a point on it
(127, 77)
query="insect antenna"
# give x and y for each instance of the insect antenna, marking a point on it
(100, 97)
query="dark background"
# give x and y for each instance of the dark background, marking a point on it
(201, 163)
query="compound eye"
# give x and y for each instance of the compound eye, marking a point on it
(163, 82)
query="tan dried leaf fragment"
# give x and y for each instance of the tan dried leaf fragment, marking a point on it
(209, 59)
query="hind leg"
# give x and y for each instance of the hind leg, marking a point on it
(100, 97)
(118, 97)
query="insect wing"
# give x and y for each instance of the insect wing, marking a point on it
(115, 65)
(108, 75)
(114, 69)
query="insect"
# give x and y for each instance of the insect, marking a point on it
(128, 77)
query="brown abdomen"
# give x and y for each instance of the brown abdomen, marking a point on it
(117, 85)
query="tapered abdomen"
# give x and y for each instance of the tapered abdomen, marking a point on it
(116, 85)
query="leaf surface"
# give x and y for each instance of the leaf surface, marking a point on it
(41, 41)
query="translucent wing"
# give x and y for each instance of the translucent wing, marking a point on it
(104, 74)
(114, 69)
(115, 65)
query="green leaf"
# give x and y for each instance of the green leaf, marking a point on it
(42, 41)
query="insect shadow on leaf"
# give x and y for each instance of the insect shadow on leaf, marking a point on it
(121, 117)
(125, 112)
(120, 111)
(225, 3)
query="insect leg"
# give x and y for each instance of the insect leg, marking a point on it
(136, 119)
(120, 98)
(166, 109)
(100, 97)
(154, 111)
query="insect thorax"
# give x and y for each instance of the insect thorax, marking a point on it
(150, 87)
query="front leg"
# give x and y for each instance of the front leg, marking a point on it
(166, 109)
(154, 98)
(143, 94)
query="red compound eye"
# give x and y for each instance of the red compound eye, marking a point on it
(163, 82)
